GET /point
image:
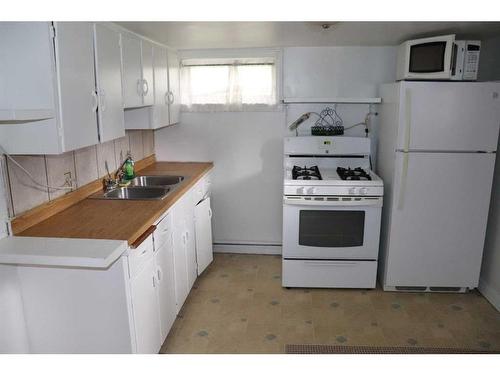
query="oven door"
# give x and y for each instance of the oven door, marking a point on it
(331, 227)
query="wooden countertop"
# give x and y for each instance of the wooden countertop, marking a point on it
(118, 219)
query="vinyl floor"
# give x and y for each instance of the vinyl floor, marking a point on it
(238, 306)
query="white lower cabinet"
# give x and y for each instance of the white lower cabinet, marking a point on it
(164, 261)
(130, 306)
(180, 252)
(144, 295)
(203, 228)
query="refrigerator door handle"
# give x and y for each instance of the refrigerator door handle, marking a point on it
(402, 181)
(404, 171)
(407, 120)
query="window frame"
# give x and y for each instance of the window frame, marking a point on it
(242, 56)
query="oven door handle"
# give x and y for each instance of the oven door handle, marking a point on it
(299, 201)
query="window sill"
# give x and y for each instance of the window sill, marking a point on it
(212, 108)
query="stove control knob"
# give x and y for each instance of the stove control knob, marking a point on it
(300, 191)
(352, 191)
(363, 191)
(311, 190)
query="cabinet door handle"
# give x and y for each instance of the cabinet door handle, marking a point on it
(159, 273)
(170, 97)
(145, 87)
(140, 87)
(167, 97)
(94, 101)
(210, 213)
(102, 97)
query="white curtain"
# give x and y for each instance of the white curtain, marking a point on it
(222, 85)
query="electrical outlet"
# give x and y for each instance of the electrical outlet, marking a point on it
(68, 180)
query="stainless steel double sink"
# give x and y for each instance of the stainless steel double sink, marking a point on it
(144, 188)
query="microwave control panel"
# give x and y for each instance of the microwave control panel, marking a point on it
(471, 59)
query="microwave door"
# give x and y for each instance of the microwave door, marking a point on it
(429, 58)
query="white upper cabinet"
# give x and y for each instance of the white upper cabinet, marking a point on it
(108, 83)
(49, 102)
(132, 71)
(27, 71)
(160, 115)
(166, 101)
(51, 70)
(174, 86)
(138, 81)
(147, 72)
(74, 48)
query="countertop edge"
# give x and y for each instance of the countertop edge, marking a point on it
(52, 251)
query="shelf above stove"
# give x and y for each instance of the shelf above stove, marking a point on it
(333, 100)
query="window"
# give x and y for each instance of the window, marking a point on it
(228, 84)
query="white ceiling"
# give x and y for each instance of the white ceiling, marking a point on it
(195, 35)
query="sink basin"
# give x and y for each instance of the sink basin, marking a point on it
(156, 180)
(136, 192)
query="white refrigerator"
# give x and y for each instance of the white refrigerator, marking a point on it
(436, 154)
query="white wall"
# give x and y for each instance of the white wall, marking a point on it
(489, 284)
(247, 147)
(489, 62)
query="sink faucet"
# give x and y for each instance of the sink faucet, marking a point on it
(125, 171)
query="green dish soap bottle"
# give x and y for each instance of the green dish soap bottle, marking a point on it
(128, 168)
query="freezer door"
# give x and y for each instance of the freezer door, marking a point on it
(449, 116)
(438, 219)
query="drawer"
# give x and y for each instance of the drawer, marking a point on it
(139, 256)
(329, 273)
(163, 232)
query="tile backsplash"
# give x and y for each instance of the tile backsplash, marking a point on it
(82, 166)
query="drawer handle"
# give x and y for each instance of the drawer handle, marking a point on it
(142, 237)
(330, 264)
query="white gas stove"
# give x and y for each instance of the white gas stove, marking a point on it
(331, 213)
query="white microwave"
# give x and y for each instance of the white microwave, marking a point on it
(438, 58)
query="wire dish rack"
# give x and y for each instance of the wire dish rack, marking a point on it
(328, 123)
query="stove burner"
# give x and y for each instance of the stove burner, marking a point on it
(304, 173)
(353, 174)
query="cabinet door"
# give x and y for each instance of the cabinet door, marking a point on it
(190, 244)
(164, 258)
(109, 84)
(147, 73)
(74, 47)
(131, 71)
(143, 291)
(174, 86)
(203, 227)
(160, 66)
(180, 255)
(27, 87)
